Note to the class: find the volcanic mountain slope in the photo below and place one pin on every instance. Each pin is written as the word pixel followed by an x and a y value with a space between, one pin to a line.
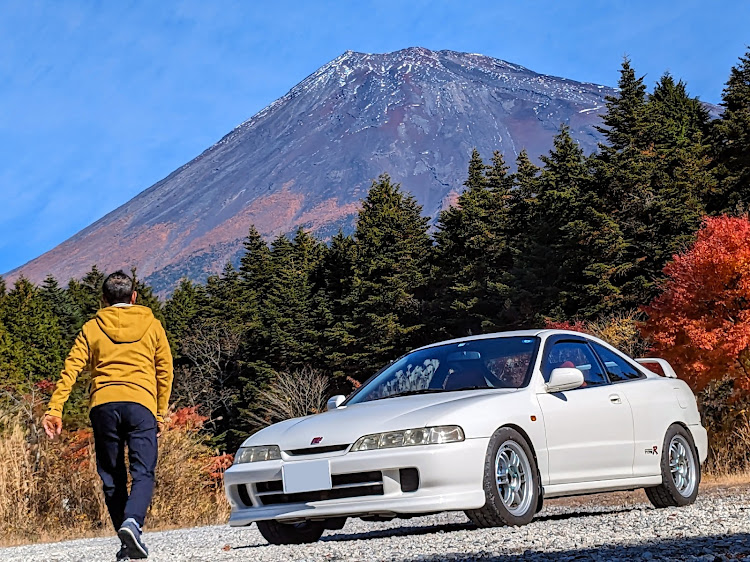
pixel 309 158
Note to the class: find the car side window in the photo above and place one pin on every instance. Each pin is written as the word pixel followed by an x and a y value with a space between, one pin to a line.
pixel 578 355
pixel 617 368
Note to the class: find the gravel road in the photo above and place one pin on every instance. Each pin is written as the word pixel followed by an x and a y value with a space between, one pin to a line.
pixel 605 527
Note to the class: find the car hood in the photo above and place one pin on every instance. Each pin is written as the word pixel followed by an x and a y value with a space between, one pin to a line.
pixel 345 425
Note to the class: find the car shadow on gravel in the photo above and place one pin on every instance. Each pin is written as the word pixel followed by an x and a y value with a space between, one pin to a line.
pixel 451 527
pixel 399 532
pixel 579 514
pixel 716 548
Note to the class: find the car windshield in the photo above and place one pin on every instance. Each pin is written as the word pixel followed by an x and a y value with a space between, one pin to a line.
pixel 503 362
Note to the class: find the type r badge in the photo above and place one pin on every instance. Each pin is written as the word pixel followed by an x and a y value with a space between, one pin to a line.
pixel 316 440
pixel 652 451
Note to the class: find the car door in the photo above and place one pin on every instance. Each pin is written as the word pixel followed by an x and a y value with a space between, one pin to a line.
pixel 589 430
pixel 652 401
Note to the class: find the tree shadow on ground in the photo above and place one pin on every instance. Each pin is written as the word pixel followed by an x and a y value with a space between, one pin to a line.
pixel 716 548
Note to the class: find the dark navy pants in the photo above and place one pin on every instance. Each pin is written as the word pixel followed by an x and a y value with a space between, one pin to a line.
pixel 117 424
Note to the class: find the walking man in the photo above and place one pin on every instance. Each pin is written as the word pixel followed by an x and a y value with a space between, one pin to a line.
pixel 126 350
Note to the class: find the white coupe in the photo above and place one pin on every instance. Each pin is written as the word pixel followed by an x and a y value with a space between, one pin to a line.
pixel 489 425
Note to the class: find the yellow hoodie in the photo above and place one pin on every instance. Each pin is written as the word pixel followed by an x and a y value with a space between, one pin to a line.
pixel 127 352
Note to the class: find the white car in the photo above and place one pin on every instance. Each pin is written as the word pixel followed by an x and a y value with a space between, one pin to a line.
pixel 489 425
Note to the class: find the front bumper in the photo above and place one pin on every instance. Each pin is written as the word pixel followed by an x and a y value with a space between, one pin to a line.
pixel 450 478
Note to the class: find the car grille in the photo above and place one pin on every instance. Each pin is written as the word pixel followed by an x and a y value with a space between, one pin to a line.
pixel 317 450
pixel 351 485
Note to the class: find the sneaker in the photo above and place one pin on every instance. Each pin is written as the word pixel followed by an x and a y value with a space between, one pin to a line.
pixel 122 554
pixel 130 536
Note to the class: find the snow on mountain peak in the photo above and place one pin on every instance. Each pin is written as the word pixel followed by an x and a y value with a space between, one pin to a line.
pixel 308 158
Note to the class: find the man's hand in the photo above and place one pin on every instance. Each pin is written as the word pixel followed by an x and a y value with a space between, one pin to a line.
pixel 52 425
pixel 160 427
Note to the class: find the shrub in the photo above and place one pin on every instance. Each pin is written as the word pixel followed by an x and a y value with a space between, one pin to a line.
pixel 724 413
pixel 620 330
pixel 292 395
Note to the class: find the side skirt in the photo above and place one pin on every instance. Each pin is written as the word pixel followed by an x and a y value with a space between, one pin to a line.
pixel 599 486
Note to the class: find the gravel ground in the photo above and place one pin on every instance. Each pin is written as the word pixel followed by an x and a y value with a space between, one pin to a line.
pixel 604 527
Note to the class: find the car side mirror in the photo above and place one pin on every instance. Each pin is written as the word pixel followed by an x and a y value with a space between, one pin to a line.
pixel 335 401
pixel 564 378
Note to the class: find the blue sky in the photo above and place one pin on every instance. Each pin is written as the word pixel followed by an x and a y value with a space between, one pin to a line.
pixel 99 100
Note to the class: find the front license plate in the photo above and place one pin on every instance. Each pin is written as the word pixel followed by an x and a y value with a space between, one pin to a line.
pixel 306 476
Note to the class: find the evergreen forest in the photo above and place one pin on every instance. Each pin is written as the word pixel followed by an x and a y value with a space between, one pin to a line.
pixel 578 238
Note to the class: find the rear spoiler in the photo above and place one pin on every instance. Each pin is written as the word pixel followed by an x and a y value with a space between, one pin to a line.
pixel 658 366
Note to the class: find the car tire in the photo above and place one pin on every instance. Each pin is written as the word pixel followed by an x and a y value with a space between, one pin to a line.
pixel 291 533
pixel 680 470
pixel 539 501
pixel 511 482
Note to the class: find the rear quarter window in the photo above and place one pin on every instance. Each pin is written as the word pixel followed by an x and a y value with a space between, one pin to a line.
pixel 617 368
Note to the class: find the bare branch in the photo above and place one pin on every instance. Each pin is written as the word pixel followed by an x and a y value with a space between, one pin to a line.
pixel 292 395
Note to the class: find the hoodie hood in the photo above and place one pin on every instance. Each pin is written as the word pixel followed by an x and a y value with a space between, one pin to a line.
pixel 125 324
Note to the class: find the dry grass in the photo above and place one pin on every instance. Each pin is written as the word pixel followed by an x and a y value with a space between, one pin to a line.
pixel 50 490
pixel 729 452
pixel 46 487
pixel 189 489
pixel 732 479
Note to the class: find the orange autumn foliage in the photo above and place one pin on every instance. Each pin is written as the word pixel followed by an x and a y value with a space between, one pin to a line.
pixel 186 418
pixel 218 465
pixel 701 322
pixel 576 326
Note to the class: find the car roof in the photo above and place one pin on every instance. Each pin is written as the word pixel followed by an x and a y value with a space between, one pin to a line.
pixel 515 333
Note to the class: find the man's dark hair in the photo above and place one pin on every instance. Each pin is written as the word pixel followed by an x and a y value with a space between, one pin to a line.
pixel 118 288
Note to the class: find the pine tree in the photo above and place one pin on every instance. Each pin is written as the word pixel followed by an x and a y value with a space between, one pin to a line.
pixel 653 187
pixel 255 278
pixel 473 253
pixel 521 212
pixel 522 197
pixel 290 305
pixel 624 120
pixel 37 344
pixel 218 331
pixel 673 118
pixel 569 254
pixel 497 178
pixel 391 271
pixel 9 370
pixel 276 310
pixel 678 130
pixel 476 178
pixel 224 297
pixel 731 139
pixel 87 294
pixel 145 297
pixel 180 312
pixel 58 300
pixel 335 279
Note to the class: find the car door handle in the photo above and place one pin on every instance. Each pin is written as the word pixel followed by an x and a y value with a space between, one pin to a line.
pixel 615 399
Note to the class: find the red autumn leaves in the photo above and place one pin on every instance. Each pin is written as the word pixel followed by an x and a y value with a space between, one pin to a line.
pixel 701 322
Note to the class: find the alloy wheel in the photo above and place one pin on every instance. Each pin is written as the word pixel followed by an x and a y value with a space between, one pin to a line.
pixel 682 465
pixel 514 478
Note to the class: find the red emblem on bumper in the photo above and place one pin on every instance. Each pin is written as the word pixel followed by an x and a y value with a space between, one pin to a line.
pixel 316 440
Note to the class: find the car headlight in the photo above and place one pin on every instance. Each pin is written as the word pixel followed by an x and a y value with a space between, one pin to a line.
pixel 257 454
pixel 410 437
